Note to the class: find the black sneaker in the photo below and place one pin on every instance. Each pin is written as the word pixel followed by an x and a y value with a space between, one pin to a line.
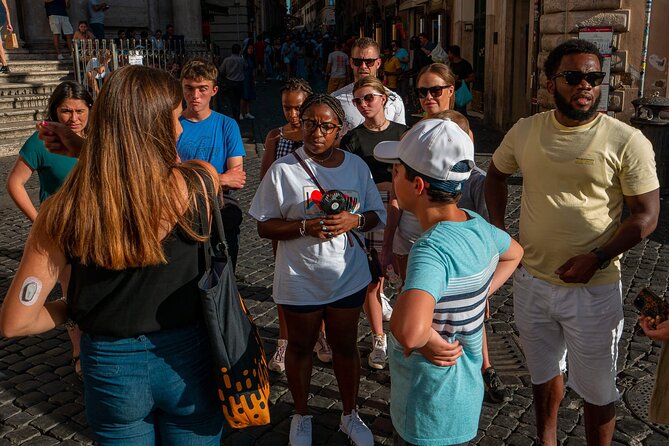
pixel 495 388
pixel 5 69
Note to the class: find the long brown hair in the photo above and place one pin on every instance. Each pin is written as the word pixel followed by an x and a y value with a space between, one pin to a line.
pixel 123 194
pixel 444 72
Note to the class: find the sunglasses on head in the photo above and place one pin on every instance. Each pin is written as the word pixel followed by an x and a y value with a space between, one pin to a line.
pixel 594 78
pixel 367 98
pixel 435 91
pixel 358 62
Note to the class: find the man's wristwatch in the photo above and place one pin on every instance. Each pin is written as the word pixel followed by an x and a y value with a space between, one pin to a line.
pixel 602 258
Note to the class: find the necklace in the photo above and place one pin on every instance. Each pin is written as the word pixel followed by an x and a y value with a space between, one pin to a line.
pixel 376 128
pixel 322 160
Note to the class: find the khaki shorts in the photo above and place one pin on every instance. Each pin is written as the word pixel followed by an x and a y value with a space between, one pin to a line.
pixel 60 23
pixel 570 328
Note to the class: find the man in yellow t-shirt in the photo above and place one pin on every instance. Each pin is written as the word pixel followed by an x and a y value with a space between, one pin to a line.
pixel 579 167
pixel 391 69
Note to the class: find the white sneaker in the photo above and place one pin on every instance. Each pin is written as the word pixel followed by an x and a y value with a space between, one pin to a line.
pixel 278 361
pixel 60 57
pixel 322 348
pixel 377 357
pixel 356 429
pixel 385 306
pixel 300 430
pixel 241 117
pixel 249 116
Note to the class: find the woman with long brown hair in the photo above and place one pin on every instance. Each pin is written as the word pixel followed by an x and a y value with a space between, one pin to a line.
pixel 126 221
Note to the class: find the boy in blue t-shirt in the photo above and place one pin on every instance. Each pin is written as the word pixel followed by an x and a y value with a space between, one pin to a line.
pixel 212 137
pixel 437 323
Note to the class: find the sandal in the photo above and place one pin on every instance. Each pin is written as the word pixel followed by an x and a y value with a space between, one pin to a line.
pixel 76 365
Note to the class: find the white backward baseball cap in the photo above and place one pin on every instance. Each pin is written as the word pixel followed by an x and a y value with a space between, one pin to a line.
pixel 433 147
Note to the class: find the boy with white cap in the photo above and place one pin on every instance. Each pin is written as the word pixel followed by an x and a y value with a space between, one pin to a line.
pixel 435 347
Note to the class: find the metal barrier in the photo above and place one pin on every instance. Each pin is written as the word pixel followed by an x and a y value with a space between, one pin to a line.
pixel 94 60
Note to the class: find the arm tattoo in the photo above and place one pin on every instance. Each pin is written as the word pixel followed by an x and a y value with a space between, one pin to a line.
pixel 30 291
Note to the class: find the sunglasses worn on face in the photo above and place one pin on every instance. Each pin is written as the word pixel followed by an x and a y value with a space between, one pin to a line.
pixel 368 98
pixel 358 62
pixel 326 127
pixel 594 78
pixel 435 91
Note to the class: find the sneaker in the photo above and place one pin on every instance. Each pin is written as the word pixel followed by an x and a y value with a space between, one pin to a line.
pixel 300 430
pixel 278 361
pixel 322 348
pixel 241 117
pixel 385 306
pixel 377 358
pixel 5 69
pixel 60 57
pixel 495 388
pixel 249 116
pixel 356 429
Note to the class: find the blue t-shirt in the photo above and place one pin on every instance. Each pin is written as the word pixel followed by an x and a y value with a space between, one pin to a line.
pixel 214 140
pixel 93 15
pixel 401 53
pixel 454 262
pixel 51 168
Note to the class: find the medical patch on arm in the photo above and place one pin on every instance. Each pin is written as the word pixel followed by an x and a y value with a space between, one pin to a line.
pixel 29 293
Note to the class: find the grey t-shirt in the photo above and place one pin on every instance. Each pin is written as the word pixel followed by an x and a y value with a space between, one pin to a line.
pixel 93 15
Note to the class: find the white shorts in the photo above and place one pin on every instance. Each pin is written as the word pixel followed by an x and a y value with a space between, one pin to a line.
pixel 581 324
pixel 60 23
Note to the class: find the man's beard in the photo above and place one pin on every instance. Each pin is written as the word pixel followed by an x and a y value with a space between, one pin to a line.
pixel 570 112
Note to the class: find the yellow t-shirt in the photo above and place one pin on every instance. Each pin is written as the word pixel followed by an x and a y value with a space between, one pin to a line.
pixel 574 179
pixel 390 66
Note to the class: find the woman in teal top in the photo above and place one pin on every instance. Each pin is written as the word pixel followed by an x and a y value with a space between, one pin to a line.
pixel 70 105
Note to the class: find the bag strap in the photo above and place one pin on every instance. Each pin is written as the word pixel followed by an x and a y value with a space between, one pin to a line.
pixel 305 166
pixel 207 196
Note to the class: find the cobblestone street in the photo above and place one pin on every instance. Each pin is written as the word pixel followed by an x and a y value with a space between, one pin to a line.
pixel 41 401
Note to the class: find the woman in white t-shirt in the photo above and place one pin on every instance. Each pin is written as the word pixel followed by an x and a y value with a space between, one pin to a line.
pixel 321 271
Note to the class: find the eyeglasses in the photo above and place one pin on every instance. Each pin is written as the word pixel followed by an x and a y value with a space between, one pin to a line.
pixel 594 78
pixel 326 127
pixel 368 98
pixel 435 91
pixel 369 62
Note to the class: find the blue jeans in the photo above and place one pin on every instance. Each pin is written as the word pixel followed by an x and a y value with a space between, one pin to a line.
pixel 151 389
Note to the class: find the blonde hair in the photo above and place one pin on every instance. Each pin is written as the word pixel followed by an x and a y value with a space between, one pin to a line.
pixel 444 72
pixel 366 42
pixel 454 116
pixel 123 194
pixel 199 69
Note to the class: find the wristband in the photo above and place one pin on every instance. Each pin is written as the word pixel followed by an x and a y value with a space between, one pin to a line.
pixel 361 221
pixel 303 228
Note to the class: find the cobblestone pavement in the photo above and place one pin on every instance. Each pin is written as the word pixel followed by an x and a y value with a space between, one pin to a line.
pixel 41 401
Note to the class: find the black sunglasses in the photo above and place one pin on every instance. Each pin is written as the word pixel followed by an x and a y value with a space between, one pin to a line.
pixel 435 91
pixel 358 62
pixel 326 127
pixel 594 78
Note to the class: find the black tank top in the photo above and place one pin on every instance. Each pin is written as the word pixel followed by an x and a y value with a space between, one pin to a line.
pixel 136 301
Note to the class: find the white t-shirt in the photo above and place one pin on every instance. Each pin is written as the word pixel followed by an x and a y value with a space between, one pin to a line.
pixel 394 108
pixel 308 270
pixel 338 61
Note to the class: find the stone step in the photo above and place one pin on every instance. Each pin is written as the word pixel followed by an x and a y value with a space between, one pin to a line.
pixel 16 131
pixel 26 77
pixel 30 89
pixel 40 65
pixel 11 146
pixel 20 115
pixel 38 101
pixel 46 54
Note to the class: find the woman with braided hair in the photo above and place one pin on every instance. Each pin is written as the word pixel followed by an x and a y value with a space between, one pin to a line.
pixel 321 272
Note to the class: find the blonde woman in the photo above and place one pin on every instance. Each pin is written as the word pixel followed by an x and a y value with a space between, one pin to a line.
pixel 126 220
pixel 370 98
pixel 5 27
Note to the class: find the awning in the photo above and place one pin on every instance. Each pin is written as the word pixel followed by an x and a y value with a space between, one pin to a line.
pixel 408 4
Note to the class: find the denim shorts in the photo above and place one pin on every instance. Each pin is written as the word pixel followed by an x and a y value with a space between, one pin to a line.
pixel 354 300
pixel 151 389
